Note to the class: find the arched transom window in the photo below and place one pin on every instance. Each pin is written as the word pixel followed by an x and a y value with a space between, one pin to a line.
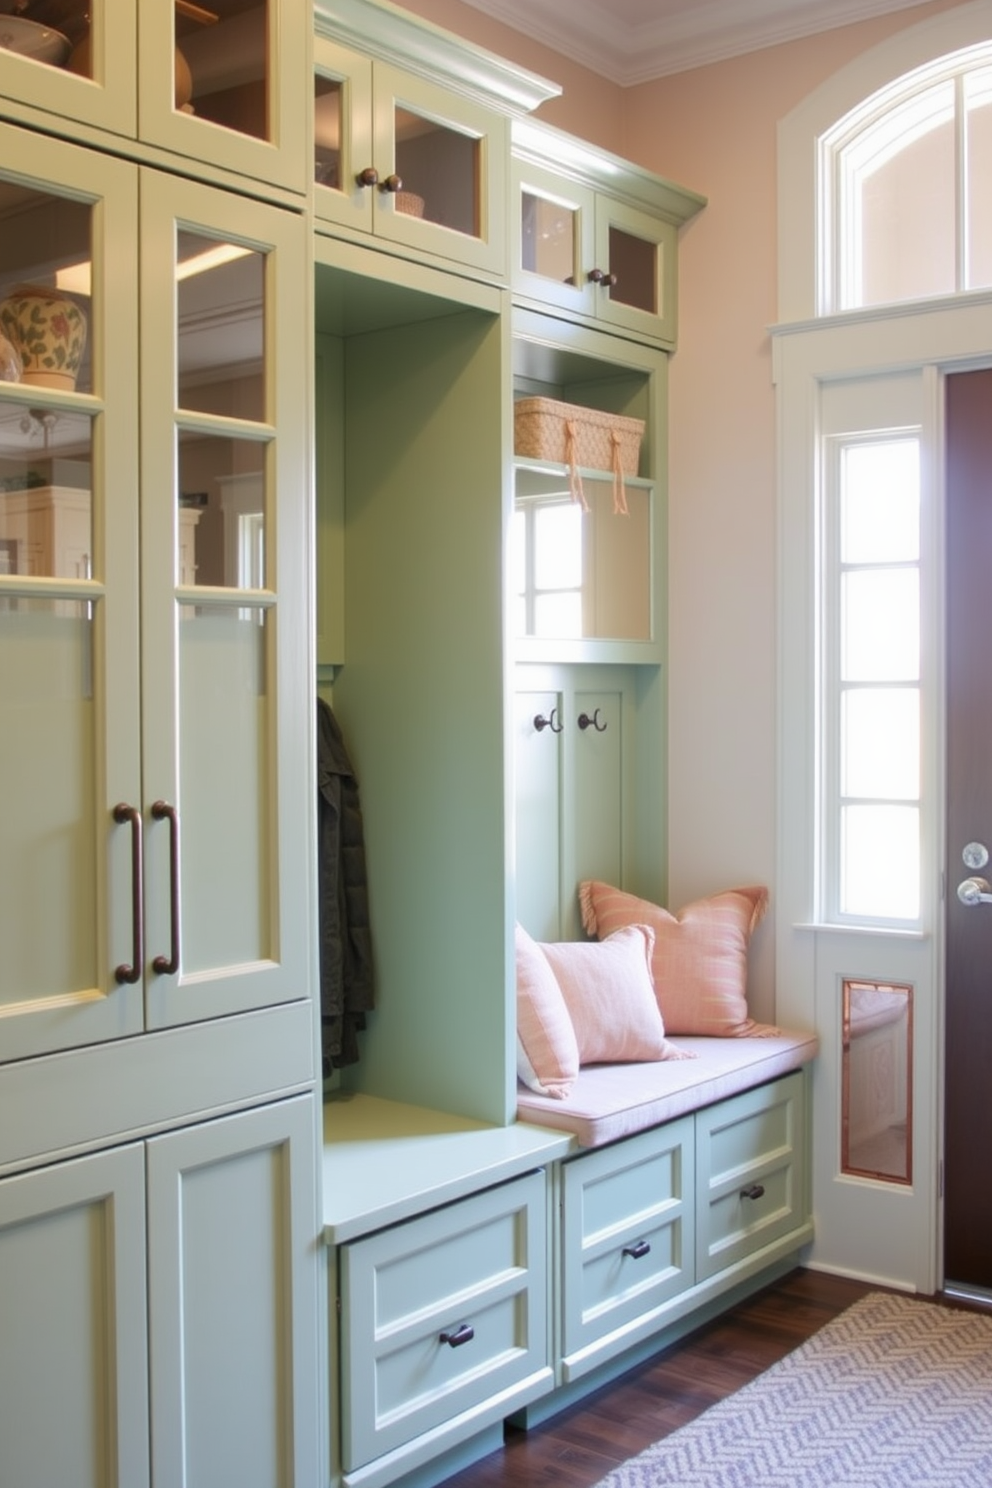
pixel 906 189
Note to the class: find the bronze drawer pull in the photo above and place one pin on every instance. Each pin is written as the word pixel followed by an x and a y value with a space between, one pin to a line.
pixel 464 1333
pixel 637 1252
pixel 124 973
pixel 753 1191
pixel 162 811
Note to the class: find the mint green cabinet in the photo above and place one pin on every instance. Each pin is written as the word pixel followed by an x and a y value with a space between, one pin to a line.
pixel 411 136
pixel 595 236
pixel 628 1240
pixel 158 1310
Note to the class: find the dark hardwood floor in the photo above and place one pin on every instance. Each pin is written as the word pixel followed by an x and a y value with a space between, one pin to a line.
pixel 581 1445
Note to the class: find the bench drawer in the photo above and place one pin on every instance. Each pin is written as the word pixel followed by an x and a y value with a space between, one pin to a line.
pixel 441 1313
pixel 627 1231
pixel 749 1166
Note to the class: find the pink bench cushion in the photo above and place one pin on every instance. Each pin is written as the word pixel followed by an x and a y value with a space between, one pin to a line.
pixel 609 1101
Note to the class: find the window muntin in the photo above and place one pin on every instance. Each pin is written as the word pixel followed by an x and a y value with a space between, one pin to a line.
pixel 870 695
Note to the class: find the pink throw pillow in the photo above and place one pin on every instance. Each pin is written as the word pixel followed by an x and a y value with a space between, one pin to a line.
pixel 610 997
pixel 699 962
pixel 547 1053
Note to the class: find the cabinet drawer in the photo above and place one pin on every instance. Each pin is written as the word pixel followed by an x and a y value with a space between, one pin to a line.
pixel 627 1231
pixel 749 1163
pixel 472 1271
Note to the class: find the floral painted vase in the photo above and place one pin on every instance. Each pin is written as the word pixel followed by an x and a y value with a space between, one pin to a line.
pixel 48 331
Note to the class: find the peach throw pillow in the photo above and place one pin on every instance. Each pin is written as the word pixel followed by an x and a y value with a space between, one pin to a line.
pixel 547 1053
pixel 610 997
pixel 700 954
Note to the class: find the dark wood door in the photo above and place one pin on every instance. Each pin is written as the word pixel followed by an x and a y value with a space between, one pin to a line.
pixel 968 1073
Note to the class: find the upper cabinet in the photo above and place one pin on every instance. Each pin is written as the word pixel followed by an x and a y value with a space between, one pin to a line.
pixel 594 235
pixel 153 445
pixel 411 135
pixel 220 83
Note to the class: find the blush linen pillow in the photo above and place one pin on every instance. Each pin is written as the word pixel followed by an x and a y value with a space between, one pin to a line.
pixel 547 1053
pixel 609 994
pixel 699 963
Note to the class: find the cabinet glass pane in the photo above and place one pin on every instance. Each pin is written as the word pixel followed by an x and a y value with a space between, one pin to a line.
pixel 634 264
pixel 581 573
pixel 439 168
pixel 225 763
pixel 220 332
pixel 548 239
pixel 55 32
pixel 46 526
pixel 47 881
pixel 328 97
pixel 221 512
pixel 222 63
pixel 45 251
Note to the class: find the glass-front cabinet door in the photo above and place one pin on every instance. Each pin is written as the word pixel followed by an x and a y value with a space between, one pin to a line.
pixel 221 82
pixel 410 161
pixel 226 706
pixel 235 94
pixel 70 869
pixel 153 501
pixel 72 58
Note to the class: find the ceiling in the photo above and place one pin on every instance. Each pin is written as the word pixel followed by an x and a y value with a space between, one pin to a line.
pixel 633 41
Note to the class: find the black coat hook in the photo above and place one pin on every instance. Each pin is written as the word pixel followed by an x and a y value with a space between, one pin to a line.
pixel 586 722
pixel 540 722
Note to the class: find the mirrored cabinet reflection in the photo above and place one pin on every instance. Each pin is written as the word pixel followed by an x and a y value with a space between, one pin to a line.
pixel 877 1085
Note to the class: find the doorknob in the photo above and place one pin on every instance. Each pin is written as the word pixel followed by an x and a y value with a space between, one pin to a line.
pixel 975 891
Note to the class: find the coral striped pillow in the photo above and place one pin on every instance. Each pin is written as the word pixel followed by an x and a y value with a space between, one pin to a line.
pixel 699 962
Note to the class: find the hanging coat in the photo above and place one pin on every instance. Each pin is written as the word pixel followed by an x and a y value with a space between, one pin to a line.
pixel 346 980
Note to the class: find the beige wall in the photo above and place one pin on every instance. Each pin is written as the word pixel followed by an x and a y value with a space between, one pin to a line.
pixel 714 129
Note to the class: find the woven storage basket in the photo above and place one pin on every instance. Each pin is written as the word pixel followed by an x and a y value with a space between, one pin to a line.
pixel 544 429
pixel 541 431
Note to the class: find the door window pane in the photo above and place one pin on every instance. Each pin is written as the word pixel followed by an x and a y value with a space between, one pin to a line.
pixel 880 743
pixel 45 281
pixel 634 263
pixel 225 761
pixel 221 327
pixel 222 64
pixel 46 523
pixel 47 800
pixel 880 862
pixel 221 516
pixel 880 625
pixel 548 239
pixel 880 502
pixel 439 168
pixel 328 99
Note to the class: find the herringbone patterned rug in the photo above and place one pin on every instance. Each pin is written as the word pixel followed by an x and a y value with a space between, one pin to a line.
pixel 894 1393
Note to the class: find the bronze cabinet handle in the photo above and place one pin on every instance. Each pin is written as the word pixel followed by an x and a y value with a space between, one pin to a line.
pixel 541 723
pixel 392 184
pixel 162 811
pixel 368 177
pixel 124 973
pixel 464 1333
pixel 638 1251
pixel 753 1191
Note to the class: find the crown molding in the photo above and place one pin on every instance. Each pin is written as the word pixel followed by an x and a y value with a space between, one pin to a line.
pixel 690 33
